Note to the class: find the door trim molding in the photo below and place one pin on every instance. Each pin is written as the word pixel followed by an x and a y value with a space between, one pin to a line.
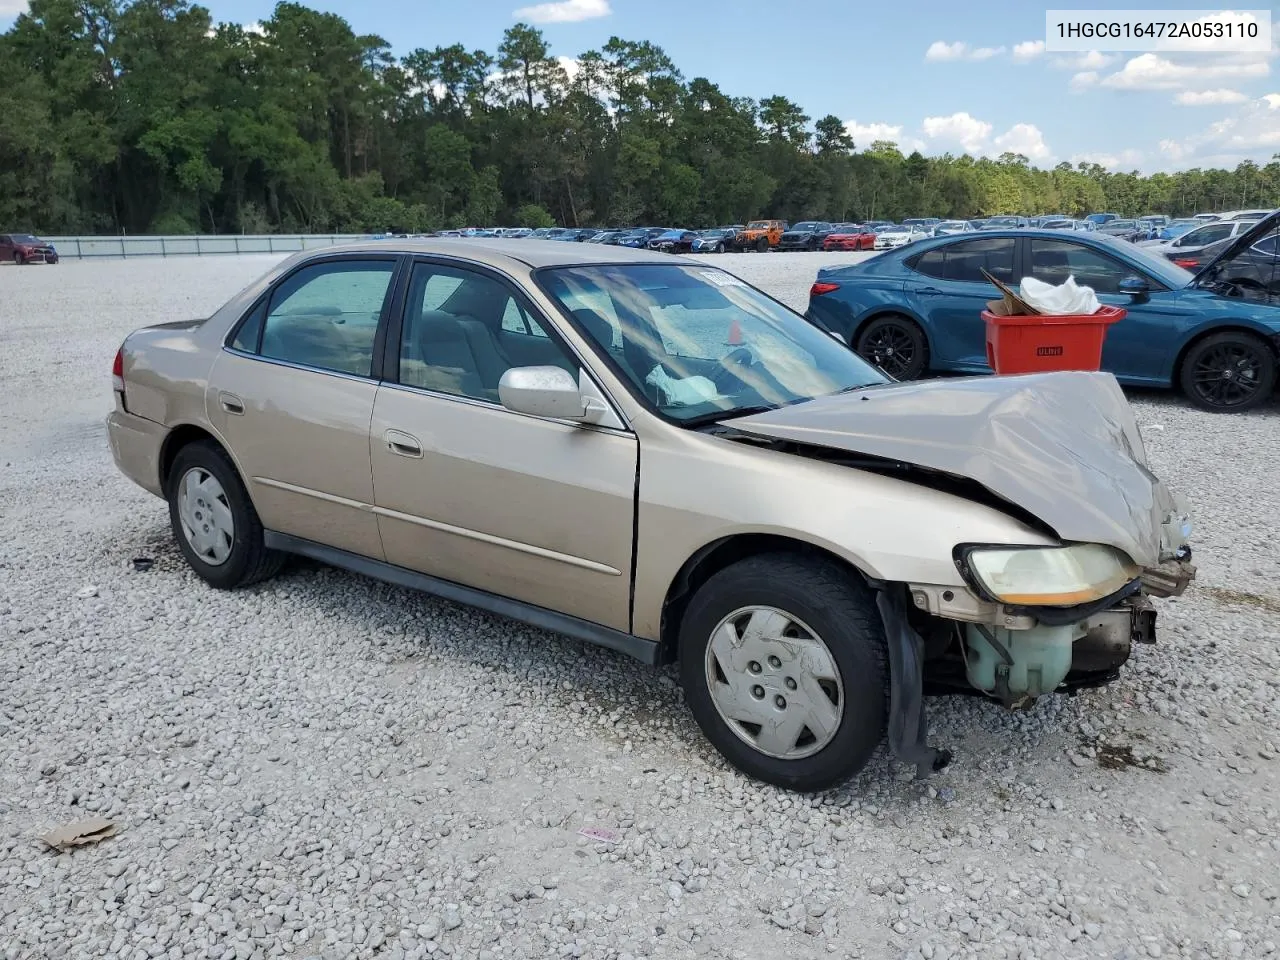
pixel 316 494
pixel 489 538
pixel 646 651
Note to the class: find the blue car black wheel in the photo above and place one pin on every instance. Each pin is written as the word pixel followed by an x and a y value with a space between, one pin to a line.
pixel 896 345
pixel 1229 372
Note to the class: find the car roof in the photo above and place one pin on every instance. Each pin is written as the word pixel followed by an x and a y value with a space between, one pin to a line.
pixel 500 252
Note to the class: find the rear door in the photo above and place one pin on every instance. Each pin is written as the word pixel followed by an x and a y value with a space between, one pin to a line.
pixel 950 292
pixel 292 395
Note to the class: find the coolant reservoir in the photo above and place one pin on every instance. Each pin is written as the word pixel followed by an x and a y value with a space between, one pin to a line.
pixel 1015 664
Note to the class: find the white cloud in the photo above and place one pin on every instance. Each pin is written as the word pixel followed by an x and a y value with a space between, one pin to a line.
pixel 1124 160
pixel 865 134
pixel 1091 60
pixel 1149 71
pixel 1272 100
pixel 1027 50
pixel 1023 138
pixel 256 28
pixel 11 8
pixel 1083 81
pixel 938 50
pixel 562 11
pixel 960 128
pixel 1209 98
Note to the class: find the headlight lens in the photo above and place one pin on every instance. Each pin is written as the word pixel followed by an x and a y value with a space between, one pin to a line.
pixel 1051 576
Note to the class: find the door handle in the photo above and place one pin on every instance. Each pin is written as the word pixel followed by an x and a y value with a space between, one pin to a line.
pixel 929 291
pixel 232 404
pixel 402 444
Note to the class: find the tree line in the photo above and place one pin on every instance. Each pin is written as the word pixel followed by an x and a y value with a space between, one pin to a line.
pixel 146 117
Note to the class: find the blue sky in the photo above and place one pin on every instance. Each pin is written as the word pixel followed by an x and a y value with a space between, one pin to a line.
pixel 938 76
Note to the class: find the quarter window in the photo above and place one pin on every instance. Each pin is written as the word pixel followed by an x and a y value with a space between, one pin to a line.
pixel 326 315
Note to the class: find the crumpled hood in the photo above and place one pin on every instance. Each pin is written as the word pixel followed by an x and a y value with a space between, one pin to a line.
pixel 1063 446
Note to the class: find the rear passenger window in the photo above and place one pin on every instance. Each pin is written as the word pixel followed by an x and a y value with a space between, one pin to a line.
pixel 966 260
pixel 326 315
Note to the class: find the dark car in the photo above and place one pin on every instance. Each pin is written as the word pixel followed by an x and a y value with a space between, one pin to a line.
pixel 806 235
pixel 1130 230
pixel 1003 223
pixel 674 241
pixel 25 248
pixel 577 234
pixel 718 240
pixel 608 237
pixel 919 308
pixel 1243 266
pixel 639 238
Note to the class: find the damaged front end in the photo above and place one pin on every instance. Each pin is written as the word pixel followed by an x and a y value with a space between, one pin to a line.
pixel 1062 454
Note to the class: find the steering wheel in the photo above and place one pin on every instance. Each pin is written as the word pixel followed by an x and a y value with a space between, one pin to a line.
pixel 740 357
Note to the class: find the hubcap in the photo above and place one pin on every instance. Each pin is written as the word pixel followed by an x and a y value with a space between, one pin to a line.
pixel 892 349
pixel 205 515
pixel 1228 375
pixel 774 682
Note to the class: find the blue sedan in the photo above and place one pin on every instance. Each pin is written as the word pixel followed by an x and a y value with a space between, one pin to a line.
pixel 918 309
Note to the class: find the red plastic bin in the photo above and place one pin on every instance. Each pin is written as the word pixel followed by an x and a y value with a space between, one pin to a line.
pixel 1039 343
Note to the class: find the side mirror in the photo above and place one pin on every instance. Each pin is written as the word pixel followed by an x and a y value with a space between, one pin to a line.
pixel 547 392
pixel 1134 287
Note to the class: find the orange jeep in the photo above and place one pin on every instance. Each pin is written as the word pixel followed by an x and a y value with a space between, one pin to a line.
pixel 761 235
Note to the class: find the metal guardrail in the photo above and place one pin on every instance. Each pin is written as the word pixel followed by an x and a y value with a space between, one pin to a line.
pixel 187 246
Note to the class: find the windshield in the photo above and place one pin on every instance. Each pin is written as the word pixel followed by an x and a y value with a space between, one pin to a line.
pixel 1058 224
pixel 699 344
pixel 805 225
pixel 24 238
pixel 758 225
pixel 1002 222
pixel 952 225
pixel 1119 225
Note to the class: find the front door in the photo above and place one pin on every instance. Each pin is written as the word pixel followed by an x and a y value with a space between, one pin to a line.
pixel 534 509
pixel 950 291
pixel 1136 348
pixel 293 395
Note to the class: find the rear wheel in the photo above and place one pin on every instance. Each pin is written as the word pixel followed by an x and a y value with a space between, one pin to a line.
pixel 896 345
pixel 1228 372
pixel 783 662
pixel 213 519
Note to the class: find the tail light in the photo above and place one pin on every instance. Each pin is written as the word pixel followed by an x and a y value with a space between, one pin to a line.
pixel 117 374
pixel 1186 264
pixel 821 287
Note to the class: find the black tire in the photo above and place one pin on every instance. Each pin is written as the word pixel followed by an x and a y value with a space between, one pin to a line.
pixel 719 248
pixel 1228 372
pixel 762 245
pixel 249 560
pixel 841 610
pixel 896 345
pixel 18 258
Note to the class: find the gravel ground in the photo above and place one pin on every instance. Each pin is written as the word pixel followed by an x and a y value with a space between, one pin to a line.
pixel 326 766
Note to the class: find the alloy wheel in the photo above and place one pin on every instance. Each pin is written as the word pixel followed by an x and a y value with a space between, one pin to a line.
pixel 892 349
pixel 1228 375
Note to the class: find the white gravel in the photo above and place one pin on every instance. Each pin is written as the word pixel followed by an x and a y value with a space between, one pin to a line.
pixel 325 766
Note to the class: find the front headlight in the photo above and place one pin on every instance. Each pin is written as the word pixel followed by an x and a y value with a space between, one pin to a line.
pixel 1049 576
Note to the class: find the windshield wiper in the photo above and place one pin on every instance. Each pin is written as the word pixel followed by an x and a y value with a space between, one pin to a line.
pixel 717 415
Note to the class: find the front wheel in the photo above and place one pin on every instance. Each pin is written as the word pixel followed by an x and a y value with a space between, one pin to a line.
pixel 1228 372
pixel 213 519
pixel 719 248
pixel 896 345
pixel 18 258
pixel 762 245
pixel 783 663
